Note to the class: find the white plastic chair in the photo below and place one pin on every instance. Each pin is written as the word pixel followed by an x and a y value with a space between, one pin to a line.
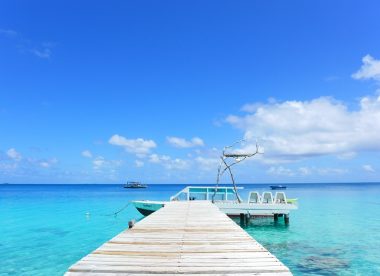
pixel 280 197
pixel 267 198
pixel 254 197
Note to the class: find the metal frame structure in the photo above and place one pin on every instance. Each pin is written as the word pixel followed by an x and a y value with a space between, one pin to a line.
pixel 225 165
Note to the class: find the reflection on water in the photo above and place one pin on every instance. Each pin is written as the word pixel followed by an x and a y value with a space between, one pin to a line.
pixel 51 230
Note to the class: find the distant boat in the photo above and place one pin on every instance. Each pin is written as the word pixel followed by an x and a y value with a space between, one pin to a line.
pixel 278 187
pixel 135 185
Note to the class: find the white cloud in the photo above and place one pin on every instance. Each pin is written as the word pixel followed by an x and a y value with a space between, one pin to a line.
pixel 369 70
pixel 48 163
pixel 138 146
pixel 155 158
pixel 170 163
pixel 183 143
pixel 8 168
pixel 8 32
pixel 44 163
pixel 250 107
pixel 207 163
pixel 323 126
pixel 139 163
pixel 87 154
pixel 304 171
pixel 368 168
pixel 177 164
pixel 331 171
pixel 280 170
pixel 41 53
pixel 101 163
pixel 41 50
pixel 98 162
pixel 347 155
pixel 13 154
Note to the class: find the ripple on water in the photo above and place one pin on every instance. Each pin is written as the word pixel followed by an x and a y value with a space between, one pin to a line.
pixel 51 230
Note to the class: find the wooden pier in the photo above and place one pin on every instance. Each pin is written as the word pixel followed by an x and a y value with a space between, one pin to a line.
pixel 191 238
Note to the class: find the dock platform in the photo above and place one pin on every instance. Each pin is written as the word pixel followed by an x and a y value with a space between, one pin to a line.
pixel 190 238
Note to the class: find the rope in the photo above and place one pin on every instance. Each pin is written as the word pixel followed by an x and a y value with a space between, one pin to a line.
pixel 120 210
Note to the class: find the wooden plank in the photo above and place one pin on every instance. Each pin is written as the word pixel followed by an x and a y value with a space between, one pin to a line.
pixel 169 274
pixel 189 238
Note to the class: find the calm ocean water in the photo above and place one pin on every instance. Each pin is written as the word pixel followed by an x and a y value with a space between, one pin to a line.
pixel 46 228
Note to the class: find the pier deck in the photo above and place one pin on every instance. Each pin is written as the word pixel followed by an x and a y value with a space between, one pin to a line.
pixel 191 237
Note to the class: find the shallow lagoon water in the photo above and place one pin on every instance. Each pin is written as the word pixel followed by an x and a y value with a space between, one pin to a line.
pixel 46 228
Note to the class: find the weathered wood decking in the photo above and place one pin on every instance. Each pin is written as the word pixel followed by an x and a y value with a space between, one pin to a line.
pixel 190 238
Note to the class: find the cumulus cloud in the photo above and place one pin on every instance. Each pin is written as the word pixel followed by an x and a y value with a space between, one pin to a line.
pixel 368 168
pixel 101 163
pixel 155 158
pixel 183 143
pixel 329 171
pixel 139 163
pixel 98 162
pixel 304 171
pixel 369 70
pixel 47 163
pixel 280 170
pixel 41 50
pixel 170 163
pixel 323 126
pixel 44 164
pixel 87 154
pixel 138 146
pixel 41 53
pixel 207 163
pixel 13 154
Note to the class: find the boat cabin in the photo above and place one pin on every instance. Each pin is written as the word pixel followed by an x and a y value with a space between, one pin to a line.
pixel 206 193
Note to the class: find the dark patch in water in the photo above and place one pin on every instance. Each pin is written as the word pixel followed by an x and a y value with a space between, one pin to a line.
pixel 293 246
pixel 306 248
pixel 322 265
pixel 52 230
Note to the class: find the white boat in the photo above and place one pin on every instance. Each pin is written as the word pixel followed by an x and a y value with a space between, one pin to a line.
pixel 227 198
pixel 147 207
pixel 265 204
pixel 135 185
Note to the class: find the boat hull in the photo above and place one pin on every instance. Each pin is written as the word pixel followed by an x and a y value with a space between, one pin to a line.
pixel 146 207
pixel 232 209
pixel 278 187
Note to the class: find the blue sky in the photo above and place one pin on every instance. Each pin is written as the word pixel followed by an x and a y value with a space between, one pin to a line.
pixel 100 92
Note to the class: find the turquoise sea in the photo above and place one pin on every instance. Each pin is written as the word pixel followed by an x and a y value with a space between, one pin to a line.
pixel 46 228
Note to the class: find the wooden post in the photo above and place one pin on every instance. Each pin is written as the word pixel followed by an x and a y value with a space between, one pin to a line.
pixel 275 217
pixel 247 218
pixel 242 219
pixel 286 219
